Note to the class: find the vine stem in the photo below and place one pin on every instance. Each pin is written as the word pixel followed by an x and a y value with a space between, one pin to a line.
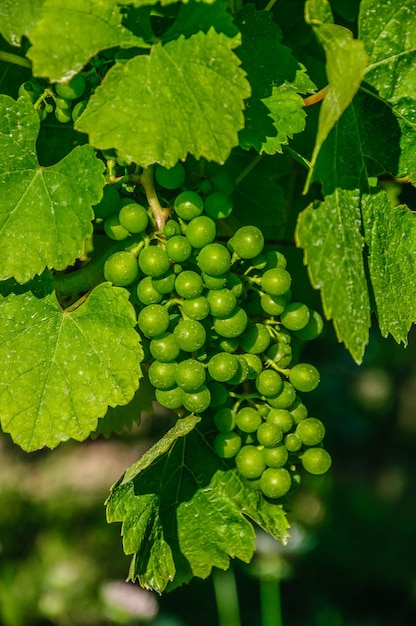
pixel 271 610
pixel 226 597
pixel 270 5
pixel 248 169
pixel 316 97
pixel 9 57
pixel 159 213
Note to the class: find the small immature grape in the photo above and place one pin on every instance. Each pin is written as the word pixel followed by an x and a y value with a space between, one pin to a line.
pixel 218 206
pixel 274 258
pixel 153 320
pixel 227 444
pixel 256 339
pixel 109 203
pixel 223 366
pixel 304 377
pixel 188 205
pixel 188 284
pixel 198 401
pixel 196 308
pixel 214 259
pixel 30 90
pixel 280 417
pixel 232 326
pixel 242 372
pixel 162 375
pixel 190 375
pixel 280 353
pixel 285 398
pixel 171 228
pixel 171 178
pixel 228 344
pixel 298 411
pixel 222 302
pixel 275 482
pixel 316 460
pixel 313 328
pixel 311 431
pixel 71 89
pixel 219 394
pixel 165 284
pixel 269 383
pixel 190 335
pixel 170 398
pixel 295 316
pixel 121 269
pixel 154 261
pixel 276 457
pixel 134 218
pixel 201 231
pixel 146 292
pixel 276 281
pixel 114 230
pixel 78 109
pixel 269 435
pixel 62 115
pixel 215 282
pixel 273 305
pixel 248 419
pixel 248 242
pixel 178 248
pixel 250 462
pixel 254 363
pixel 164 347
pixel 224 419
pixel 293 442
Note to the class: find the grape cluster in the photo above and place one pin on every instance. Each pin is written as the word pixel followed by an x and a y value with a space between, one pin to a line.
pixel 217 320
pixel 66 100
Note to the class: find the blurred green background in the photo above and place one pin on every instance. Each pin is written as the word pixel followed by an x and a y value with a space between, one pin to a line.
pixel 351 558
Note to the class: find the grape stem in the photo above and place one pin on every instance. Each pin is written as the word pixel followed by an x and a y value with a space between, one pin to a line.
pixel 9 57
pixel 316 97
pixel 159 213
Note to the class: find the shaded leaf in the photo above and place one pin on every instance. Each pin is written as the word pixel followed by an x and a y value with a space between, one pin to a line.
pixel 81 361
pixel 186 97
pixel 45 213
pixel 18 18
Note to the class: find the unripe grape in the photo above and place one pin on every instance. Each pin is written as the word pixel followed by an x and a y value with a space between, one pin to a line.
pixel 170 398
pixel 218 206
pixel 313 328
pixel 153 320
pixel 223 366
pixel 196 308
pixel 248 419
pixel 316 460
pixel 188 284
pixel 190 375
pixel 269 435
pixel 293 442
pixel 232 326
pixel 178 248
pixel 121 269
pixel 165 284
pixel 162 375
pixel 269 383
pixel 134 217
pixel 250 462
pixel 276 457
pixel 295 316
pixel 146 292
pixel 114 230
pixel 224 419
pixel 164 347
pixel 304 377
pixel 71 89
pixel 109 203
pixel 280 417
pixel 154 261
pixel 214 259
pixel 222 302
pixel 198 401
pixel 276 281
pixel 201 231
pixel 256 339
pixel 311 431
pixel 285 398
pixel 188 205
pixel 275 483
pixel 248 242
pixel 171 178
pixel 227 445
pixel 190 335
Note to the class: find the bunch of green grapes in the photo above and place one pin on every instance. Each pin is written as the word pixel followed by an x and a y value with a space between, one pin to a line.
pixel 66 99
pixel 217 320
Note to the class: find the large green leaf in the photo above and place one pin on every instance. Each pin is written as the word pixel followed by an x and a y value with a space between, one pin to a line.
pixel 390 234
pixel 388 30
pixel 18 18
pixel 81 361
pixel 45 212
pixel 70 32
pixel 184 510
pixel 185 97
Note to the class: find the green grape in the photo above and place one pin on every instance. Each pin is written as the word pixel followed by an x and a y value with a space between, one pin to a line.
pixel 164 347
pixel 214 259
pixel 30 90
pixel 313 328
pixel 275 482
pixel 121 269
pixel 62 103
pixel 218 206
pixel 235 285
pixel 304 377
pixel 146 293
pixel 242 372
pixel 273 305
pixel 276 457
pixel 316 460
pixel 109 203
pixel 153 320
pixel 215 282
pixel 171 178
pixel 248 242
pixel 170 398
pixel 198 401
pixel 280 353
pixel 190 375
pixel 165 284
pixel 276 281
pixel 284 399
pixel 228 344
pixel 42 114
pixel 206 186
pixel 188 284
pixel 269 383
pixel 201 231
pixel 256 339
pixel 171 229
pixel 190 335
pixel 263 409
pixel 269 435
pixel 293 442
pixel 62 115
pixel 222 302
pixel 255 365
pixel 249 438
pixel 248 419
pixel 232 326
pixel 114 230
pixel 250 462
pixel 134 217
pixel 224 419
pixel 162 375
pixel 298 411
pixel 188 205
pixel 280 417
pixel 153 261
pixel 48 108
pixel 295 316
pixel 227 445
pixel 223 366
pixel 178 248
pixel 274 258
pixel 196 308
pixel 219 394
pixel 79 109
pixel 311 431
pixel 71 89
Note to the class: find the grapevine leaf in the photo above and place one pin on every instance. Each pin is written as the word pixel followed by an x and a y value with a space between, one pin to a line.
pixel 45 213
pixel 141 3
pixel 195 16
pixel 346 60
pixel 80 362
pixel 18 18
pixel 185 511
pixel 388 31
pixel 119 418
pixel 318 12
pixel 275 110
pixel 329 233
pixel 71 32
pixel 187 96
pixel 390 234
